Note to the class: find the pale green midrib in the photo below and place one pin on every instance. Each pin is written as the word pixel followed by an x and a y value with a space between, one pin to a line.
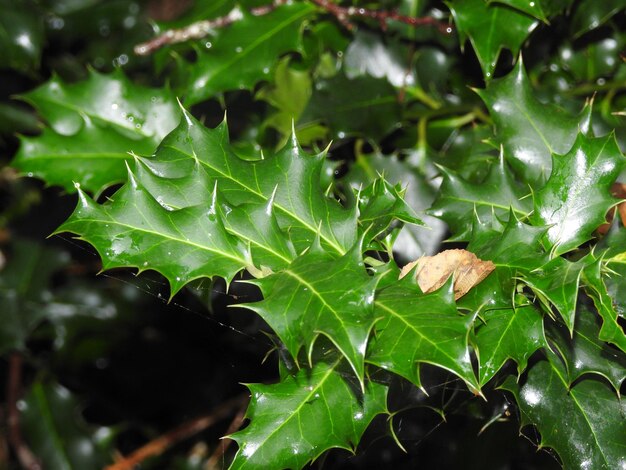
pixel 244 262
pixel 333 243
pixel 508 327
pixel 49 420
pixel 307 399
pixel 257 42
pixel 486 203
pixel 316 293
pixel 79 111
pixel 532 123
pixel 260 245
pixel 582 411
pixel 411 327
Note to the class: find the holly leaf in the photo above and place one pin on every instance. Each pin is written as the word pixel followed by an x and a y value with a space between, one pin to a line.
pixel 584 424
pixel 530 131
pixel 590 14
pixel 55 432
pixel 105 109
pixel 490 27
pixel 133 230
pixel 556 284
pixel 611 330
pixel 25 290
pixel 419 328
pixel 295 421
pixel 318 294
pixel 584 353
pixel 497 195
pixel 576 197
pixel 21 36
pixel 244 53
pixel 504 334
pixel 290 178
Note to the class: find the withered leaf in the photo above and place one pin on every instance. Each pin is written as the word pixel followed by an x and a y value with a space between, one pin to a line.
pixel 432 272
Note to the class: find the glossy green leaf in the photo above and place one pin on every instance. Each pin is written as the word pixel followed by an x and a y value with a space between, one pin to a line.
pixel 362 106
pixel 244 54
pixel 530 131
pixel 296 420
pixel 25 290
pixel 591 14
pixel 584 353
pixel 93 125
pixel 290 178
pixel 611 330
pixel 133 230
pixel 459 199
pixel 56 434
pixel 584 424
pixel 21 36
pixel 318 294
pixel 419 328
pixel 540 9
pixel 490 27
pixel 556 285
pixel 507 334
pixel 576 197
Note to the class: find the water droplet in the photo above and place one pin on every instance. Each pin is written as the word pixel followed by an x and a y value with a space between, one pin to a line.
pixel 145 263
pixel 238 49
pixel 178 278
pixel 29 174
pixel 129 22
pixel 208 45
pixel 138 126
pixel 341 134
pixel 532 4
pixel 153 99
pixel 266 70
pixel 114 106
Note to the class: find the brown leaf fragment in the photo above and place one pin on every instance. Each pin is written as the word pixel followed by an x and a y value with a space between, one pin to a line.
pixel 432 272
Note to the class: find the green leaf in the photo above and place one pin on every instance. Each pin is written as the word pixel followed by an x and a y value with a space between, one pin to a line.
pixel 21 36
pixel 611 330
pixel 318 294
pixel 57 435
pixel 243 54
pixel 420 328
pixel 496 196
pixel 584 424
pixel 591 14
pixel 576 197
pixel 290 178
pixel 532 8
pixel 362 106
pixel 530 131
pixel 556 284
pixel 289 94
pixel 94 125
pixel 490 27
pixel 584 353
pixel 296 420
pixel 25 290
pixel 133 230
pixel 507 334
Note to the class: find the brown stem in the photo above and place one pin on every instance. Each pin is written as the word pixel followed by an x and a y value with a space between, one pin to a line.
pixel 162 443
pixel 201 29
pixel 24 455
pixel 221 449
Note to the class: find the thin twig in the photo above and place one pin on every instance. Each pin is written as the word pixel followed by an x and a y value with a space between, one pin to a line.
pixel 220 450
pixel 343 14
pixel 201 29
pixel 184 431
pixel 14 385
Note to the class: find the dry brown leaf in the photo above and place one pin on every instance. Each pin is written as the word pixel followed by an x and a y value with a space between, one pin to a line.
pixel 432 272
